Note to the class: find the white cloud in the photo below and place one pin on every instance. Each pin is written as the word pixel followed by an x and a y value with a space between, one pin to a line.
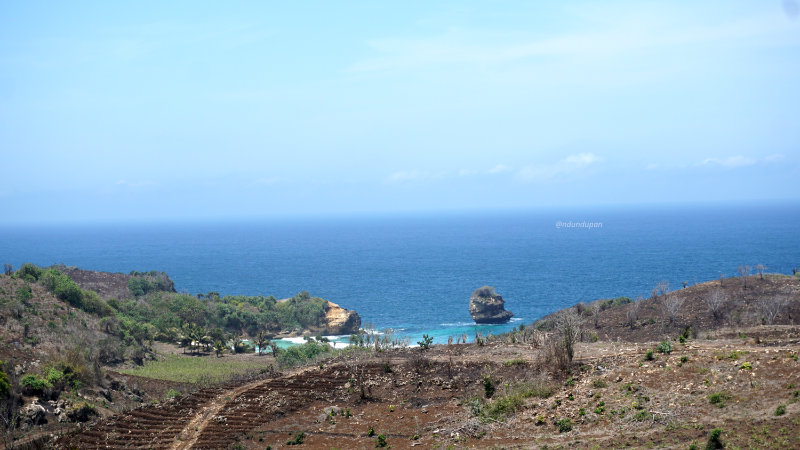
pixel 774 158
pixel 732 162
pixel 570 165
pixel 646 31
pixel 500 168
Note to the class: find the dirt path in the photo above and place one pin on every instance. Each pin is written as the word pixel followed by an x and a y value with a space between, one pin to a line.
pixel 187 438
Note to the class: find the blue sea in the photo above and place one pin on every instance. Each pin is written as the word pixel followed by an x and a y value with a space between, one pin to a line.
pixel 415 273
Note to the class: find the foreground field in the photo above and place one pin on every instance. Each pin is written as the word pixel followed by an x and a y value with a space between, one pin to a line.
pixel 199 370
pixel 742 381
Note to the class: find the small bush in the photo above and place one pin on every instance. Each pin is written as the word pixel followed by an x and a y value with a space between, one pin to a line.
pixel 488 386
pixel 715 440
pixel 297 439
pixel 564 425
pixel 514 362
pixel 426 342
pixel 746 366
pixel 780 410
pixel 380 441
pixel 371 431
pixel 719 399
pixel 599 383
pixel 35 384
pixel 665 347
pixel 648 356
pixel 5 383
pixel 641 416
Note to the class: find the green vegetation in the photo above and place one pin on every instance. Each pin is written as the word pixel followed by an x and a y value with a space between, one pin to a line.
pixel 564 425
pixel 187 369
pixel 63 287
pixel 512 401
pixel 648 356
pixel 665 347
pixel 488 386
pixel 380 441
pixel 300 354
pixel 426 342
pixel 719 399
pixel 715 440
pixel 5 383
pixel 297 439
pixel 514 362
pixel 780 410
pixel 599 383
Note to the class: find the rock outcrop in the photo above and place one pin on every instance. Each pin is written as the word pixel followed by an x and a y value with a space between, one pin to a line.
pixel 485 306
pixel 341 321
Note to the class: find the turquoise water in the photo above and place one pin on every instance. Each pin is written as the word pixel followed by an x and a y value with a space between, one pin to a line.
pixel 415 274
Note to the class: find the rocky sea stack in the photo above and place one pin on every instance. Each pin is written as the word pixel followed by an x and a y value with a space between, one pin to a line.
pixel 485 306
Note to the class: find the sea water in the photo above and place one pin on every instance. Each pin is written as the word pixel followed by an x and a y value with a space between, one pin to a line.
pixel 415 273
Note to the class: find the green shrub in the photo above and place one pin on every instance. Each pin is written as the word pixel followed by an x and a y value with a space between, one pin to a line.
pixel 641 416
pixel 780 410
pixel 172 393
pixel 564 425
pixel 488 386
pixel 746 366
pixel 648 356
pixel 35 383
pixel 715 440
pixel 426 342
pixel 599 383
pixel 514 362
pixel 665 347
pixel 29 272
pixel 380 441
pixel 5 382
pixel 371 431
pixel 719 399
pixel 299 354
pixel 297 439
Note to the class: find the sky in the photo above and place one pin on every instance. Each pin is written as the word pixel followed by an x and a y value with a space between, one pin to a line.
pixel 139 111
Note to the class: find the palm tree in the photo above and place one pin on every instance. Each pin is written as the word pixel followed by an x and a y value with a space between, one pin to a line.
pixel 219 348
pixel 261 341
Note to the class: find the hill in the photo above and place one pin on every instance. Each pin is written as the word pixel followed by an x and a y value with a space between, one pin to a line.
pixel 732 381
pixel 67 334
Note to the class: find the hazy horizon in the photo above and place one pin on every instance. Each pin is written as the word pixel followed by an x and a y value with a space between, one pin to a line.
pixel 152 112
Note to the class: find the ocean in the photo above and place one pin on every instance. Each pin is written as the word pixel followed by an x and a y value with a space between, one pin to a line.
pixel 415 273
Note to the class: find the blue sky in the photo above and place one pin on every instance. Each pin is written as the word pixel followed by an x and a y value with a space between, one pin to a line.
pixel 207 110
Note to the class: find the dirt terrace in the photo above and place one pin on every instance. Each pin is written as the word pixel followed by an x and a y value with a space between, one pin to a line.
pixel 614 398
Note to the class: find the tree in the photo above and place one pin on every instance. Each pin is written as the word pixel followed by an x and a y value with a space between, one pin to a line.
pixel 219 348
pixel 672 304
pixel 261 341
pixel 760 269
pixel 595 309
pixel 744 271
pixel 662 287
pixel 568 324
pixel 8 269
pixel 771 306
pixel 633 313
pixel 715 300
